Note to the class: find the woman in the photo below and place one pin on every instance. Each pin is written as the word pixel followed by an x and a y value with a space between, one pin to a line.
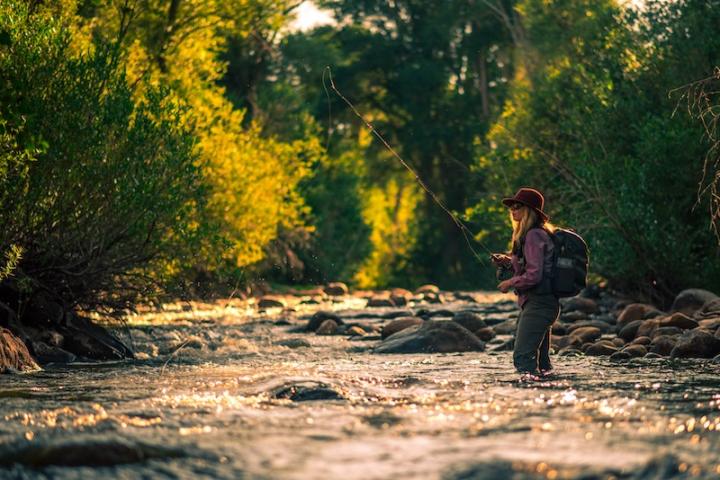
pixel 531 262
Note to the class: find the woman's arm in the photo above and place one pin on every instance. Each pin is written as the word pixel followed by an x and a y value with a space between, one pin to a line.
pixel 536 242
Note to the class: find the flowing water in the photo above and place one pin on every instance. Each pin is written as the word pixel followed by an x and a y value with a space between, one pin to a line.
pixel 215 395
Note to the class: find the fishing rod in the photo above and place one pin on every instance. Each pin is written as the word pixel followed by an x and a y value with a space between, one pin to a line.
pixel 467 234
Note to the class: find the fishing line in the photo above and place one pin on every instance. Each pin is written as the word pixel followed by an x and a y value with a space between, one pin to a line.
pixel 467 234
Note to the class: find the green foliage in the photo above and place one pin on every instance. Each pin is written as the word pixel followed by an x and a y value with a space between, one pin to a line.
pixel 341 237
pixel 590 123
pixel 102 185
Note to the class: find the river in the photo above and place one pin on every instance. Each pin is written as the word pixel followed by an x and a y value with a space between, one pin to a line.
pixel 222 391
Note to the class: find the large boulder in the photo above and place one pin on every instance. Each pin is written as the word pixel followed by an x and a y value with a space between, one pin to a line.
pixel 696 343
pixel 691 300
pixel 432 337
pixel 14 355
pixel 399 324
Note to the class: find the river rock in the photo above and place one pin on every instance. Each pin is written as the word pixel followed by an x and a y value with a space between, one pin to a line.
pixel 662 345
pixel 432 337
pixel 648 327
pixel 355 331
pixel 653 355
pixel 573 316
pixel 508 327
pixel 306 391
pixel 620 355
pixel 379 301
pixel 601 348
pixel 45 354
pixel 14 355
pixel 86 451
pixel 602 326
pixel 427 289
pixel 618 342
pixel 668 331
pixel 485 334
pixel 711 309
pixel 399 324
pixel 629 331
pixel 691 300
pixel 336 289
pixel 327 327
pixel 636 311
pixel 679 320
pixel 432 297
pixel 565 341
pixel 642 341
pixel 400 296
pixel 83 338
pixel 696 343
pixel 319 317
pixel 635 350
pixel 293 343
pixel 710 323
pixel 470 320
pixel 570 352
pixel 504 345
pixel 271 302
pixel 581 304
pixel 587 334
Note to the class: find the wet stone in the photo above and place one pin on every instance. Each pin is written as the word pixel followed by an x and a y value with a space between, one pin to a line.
pixel 328 327
pixel 400 324
pixel 691 300
pixel 602 326
pixel 432 337
pixel 601 348
pixel 629 331
pixel 306 391
pixel 89 452
pixel 587 334
pixel 319 317
pixel 293 343
pixel 579 304
pixel 470 320
pixel 696 343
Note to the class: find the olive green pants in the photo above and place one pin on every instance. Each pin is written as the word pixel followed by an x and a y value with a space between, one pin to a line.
pixel 532 340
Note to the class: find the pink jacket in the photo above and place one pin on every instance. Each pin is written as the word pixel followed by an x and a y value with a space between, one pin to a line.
pixel 538 253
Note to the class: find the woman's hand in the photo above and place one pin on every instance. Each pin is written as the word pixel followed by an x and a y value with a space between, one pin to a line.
pixel 500 260
pixel 505 286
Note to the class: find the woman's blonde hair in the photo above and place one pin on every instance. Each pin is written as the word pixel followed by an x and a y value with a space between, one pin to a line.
pixel 528 220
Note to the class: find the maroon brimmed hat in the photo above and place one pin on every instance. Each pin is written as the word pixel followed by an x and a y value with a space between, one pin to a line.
pixel 530 198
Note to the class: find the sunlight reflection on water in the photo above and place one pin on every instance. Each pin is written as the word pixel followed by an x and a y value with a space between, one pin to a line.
pixel 223 408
